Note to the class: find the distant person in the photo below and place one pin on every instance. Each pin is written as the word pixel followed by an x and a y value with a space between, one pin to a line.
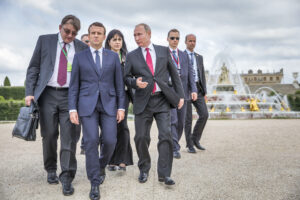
pixel 84 39
pixel 122 156
pixel 200 105
pixel 97 96
pixel 186 73
pixel 47 82
pixel 148 69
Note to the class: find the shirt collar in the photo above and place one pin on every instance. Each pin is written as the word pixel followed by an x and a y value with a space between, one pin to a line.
pixel 189 52
pixel 93 50
pixel 60 40
pixel 176 50
pixel 151 47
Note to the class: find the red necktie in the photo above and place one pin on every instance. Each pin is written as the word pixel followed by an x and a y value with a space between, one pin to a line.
pixel 62 67
pixel 150 65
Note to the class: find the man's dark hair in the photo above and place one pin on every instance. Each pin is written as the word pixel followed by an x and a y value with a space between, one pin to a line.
pixel 173 30
pixel 146 27
pixel 97 24
pixel 73 20
pixel 84 36
pixel 191 34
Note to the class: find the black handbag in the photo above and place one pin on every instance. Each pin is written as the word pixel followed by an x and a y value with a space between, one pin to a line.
pixel 27 122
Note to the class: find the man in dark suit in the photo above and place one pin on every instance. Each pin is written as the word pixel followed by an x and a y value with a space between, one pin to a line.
pixel 47 82
pixel 200 105
pixel 186 73
pixel 97 96
pixel 148 69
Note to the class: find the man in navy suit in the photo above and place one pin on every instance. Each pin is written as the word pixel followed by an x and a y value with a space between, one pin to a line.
pixel 97 96
pixel 185 71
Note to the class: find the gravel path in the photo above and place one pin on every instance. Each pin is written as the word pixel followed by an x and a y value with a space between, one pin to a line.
pixel 245 159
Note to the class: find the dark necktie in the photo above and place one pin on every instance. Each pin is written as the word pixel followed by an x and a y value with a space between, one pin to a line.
pixel 62 67
pixel 98 63
pixel 150 65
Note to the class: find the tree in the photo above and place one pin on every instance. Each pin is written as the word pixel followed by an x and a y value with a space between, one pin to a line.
pixel 6 81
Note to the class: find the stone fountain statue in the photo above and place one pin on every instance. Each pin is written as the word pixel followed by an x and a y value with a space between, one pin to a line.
pixel 224 77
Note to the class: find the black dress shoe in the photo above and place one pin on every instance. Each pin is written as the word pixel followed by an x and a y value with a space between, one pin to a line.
pixel 176 154
pixel 167 180
pixel 67 188
pixel 191 150
pixel 143 177
pixel 198 146
pixel 102 175
pixel 95 192
pixel 52 178
pixel 111 168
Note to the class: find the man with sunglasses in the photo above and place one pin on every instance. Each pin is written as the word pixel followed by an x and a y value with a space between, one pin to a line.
pixel 185 71
pixel 47 82
pixel 85 39
pixel 193 138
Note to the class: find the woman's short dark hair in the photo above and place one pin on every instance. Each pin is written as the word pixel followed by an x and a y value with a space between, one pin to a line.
pixel 110 35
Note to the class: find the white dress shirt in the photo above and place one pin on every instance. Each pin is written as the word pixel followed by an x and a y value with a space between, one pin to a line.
pixel 70 56
pixel 153 56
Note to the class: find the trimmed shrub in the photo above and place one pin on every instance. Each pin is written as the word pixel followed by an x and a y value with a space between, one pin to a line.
pixel 9 110
pixel 16 93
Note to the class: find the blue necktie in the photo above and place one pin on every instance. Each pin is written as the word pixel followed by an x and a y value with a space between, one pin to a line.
pixel 192 58
pixel 175 56
pixel 98 60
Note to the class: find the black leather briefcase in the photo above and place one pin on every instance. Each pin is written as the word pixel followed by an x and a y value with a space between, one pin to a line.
pixel 27 122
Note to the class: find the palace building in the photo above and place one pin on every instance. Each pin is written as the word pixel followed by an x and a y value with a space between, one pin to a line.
pixel 261 78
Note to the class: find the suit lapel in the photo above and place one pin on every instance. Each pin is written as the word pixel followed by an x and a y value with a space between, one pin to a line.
pixel 157 59
pixel 53 46
pixel 198 67
pixel 77 49
pixel 104 61
pixel 91 60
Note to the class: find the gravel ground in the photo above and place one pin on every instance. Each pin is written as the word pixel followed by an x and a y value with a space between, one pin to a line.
pixel 245 159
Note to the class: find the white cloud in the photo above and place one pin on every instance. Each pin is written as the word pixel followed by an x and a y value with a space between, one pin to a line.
pixel 44 5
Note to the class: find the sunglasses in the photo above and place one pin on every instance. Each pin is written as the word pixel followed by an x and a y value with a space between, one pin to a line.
pixel 68 31
pixel 173 38
pixel 86 41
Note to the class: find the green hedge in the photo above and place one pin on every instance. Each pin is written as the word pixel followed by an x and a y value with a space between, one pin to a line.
pixel 9 110
pixel 16 93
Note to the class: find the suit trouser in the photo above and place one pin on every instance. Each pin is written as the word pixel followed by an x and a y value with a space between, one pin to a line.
pixel 202 112
pixel 90 126
pixel 159 108
pixel 177 125
pixel 54 114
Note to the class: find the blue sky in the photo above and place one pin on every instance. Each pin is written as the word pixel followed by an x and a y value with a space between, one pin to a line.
pixel 261 34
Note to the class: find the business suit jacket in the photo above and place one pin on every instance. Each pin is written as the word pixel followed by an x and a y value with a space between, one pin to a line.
pixel 42 63
pixel 201 73
pixel 186 75
pixel 136 66
pixel 88 82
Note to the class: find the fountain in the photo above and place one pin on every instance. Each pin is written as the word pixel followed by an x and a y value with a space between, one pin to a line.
pixel 228 96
